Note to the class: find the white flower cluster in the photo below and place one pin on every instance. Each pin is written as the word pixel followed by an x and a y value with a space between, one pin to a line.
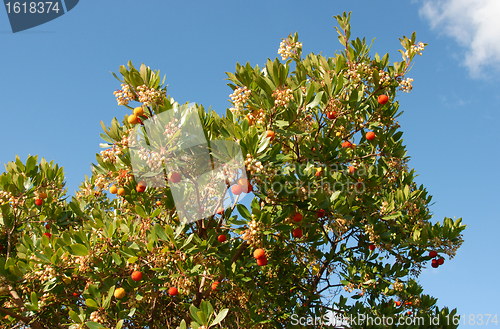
pixel 148 96
pixel 287 49
pixel 110 155
pixel 239 97
pixel 356 72
pixel 417 48
pixel 124 96
pixel 283 96
pixel 96 316
pixel 384 78
pixel 252 233
pixel 252 165
pixel 405 85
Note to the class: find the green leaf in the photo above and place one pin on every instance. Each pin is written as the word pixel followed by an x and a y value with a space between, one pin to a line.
pixel 244 211
pixel 94 325
pixel 193 310
pixel 74 316
pixel 91 303
pixel 106 301
pixel 119 324
pixel 34 300
pixel 160 232
pixel 79 249
pixel 222 314
pixel 140 211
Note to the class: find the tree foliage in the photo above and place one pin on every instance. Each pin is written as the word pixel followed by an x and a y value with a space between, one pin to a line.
pixel 343 225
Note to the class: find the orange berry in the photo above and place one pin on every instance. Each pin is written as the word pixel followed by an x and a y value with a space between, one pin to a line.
pixel 262 261
pixel 121 191
pixel 132 119
pixel 158 203
pixel 259 253
pixel 138 111
pixel 245 185
pixel 383 99
pixel 370 135
pixel 331 115
pixel 351 169
pixel 43 195
pixel 220 211
pixel 136 276
pixel 141 186
pixel 173 291
pixel 270 134
pixel 214 285
pixel 236 189
pixel 346 144
pixel 221 238
pixel 113 189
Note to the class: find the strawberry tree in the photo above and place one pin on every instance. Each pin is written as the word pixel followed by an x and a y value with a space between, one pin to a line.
pixel 336 222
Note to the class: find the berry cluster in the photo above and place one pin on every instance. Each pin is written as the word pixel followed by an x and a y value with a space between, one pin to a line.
pixel 436 261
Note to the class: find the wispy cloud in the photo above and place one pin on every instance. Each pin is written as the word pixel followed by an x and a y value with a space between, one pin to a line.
pixel 474 24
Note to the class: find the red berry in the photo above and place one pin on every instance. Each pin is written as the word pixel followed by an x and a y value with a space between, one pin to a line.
pixel 297 233
pixel 370 135
pixel 136 276
pixel 382 99
pixel 47 226
pixel 173 291
pixel 214 285
pixel 221 238
pixel 262 261
pixel 75 294
pixel 259 253
pixel 297 217
pixel 236 189
pixel 331 115
pixel 433 253
pixel 38 202
pixel 440 261
pixel 398 303
pixel 318 173
pixel 220 211
pixel 435 263
pixel 320 213
pixel 47 234
pixel 175 177
pixel 372 247
pixel 351 170
pixel 346 144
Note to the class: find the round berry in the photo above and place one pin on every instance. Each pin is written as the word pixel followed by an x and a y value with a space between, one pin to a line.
pixel 370 135
pixel 173 291
pixel 383 99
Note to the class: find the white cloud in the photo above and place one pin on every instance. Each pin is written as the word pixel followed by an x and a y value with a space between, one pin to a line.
pixel 474 24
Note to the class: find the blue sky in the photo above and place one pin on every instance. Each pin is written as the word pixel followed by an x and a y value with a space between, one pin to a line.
pixel 55 88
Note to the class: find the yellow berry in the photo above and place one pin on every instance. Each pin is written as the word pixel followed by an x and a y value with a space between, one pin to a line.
pixel 138 111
